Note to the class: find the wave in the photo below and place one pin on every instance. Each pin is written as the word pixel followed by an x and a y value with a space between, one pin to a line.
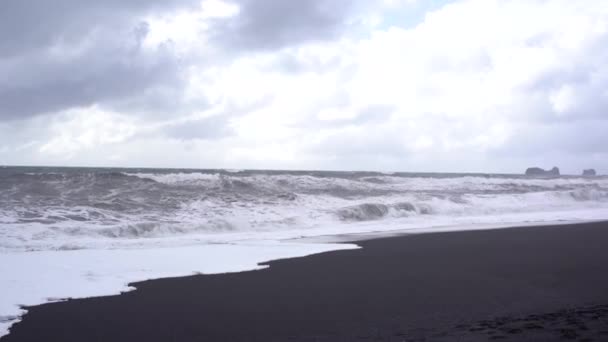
pixel 589 194
pixel 86 207
pixel 177 178
pixel 376 181
pixel 375 211
pixel 156 229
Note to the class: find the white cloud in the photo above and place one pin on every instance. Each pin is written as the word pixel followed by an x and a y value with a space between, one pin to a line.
pixel 464 90
pixel 79 131
pixel 188 28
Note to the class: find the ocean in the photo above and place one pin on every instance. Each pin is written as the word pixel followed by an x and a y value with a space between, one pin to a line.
pixel 78 232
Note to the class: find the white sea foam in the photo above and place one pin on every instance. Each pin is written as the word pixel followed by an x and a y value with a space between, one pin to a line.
pixel 37 277
pixel 177 178
pixel 234 170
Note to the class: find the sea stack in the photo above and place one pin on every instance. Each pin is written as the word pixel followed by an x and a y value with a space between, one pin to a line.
pixel 589 173
pixel 537 171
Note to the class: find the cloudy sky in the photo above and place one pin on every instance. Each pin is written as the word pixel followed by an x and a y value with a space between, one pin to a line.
pixel 410 85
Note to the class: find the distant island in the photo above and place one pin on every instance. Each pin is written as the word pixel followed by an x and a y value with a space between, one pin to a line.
pixel 589 173
pixel 537 171
pixel 554 172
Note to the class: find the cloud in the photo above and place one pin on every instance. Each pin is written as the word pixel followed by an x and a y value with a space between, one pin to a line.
pixel 101 74
pixel 469 85
pixel 66 54
pixel 82 130
pixel 27 25
pixel 273 24
pixel 209 128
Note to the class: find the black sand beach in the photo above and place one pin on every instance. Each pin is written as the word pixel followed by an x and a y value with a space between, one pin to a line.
pixel 533 283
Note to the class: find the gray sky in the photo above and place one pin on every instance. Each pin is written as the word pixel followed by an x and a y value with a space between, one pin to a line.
pixel 470 85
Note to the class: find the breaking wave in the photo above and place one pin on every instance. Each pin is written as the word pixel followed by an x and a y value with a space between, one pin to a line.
pixel 374 211
pixel 87 208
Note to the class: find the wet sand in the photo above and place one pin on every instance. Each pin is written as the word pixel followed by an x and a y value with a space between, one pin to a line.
pixel 532 283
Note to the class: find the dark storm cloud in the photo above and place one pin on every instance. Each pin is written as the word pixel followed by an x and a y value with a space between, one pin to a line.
pixel 56 55
pixel 273 24
pixel 105 73
pixel 37 24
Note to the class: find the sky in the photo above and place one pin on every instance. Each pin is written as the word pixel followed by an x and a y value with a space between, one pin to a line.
pixel 388 85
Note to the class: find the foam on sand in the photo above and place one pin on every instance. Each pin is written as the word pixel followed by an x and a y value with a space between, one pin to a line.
pixel 33 278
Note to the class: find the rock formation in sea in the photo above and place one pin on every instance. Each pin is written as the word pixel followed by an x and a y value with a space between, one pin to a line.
pixel 589 172
pixel 537 171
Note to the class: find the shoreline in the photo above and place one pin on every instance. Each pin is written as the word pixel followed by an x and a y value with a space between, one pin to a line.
pixel 437 286
pixel 374 235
